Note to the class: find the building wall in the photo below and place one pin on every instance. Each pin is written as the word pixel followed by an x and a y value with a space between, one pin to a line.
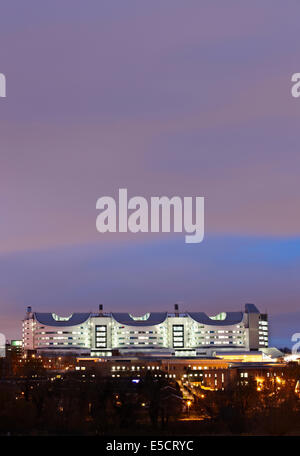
pixel 175 334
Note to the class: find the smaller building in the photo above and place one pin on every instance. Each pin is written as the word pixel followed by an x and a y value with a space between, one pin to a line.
pixel 209 373
pixel 2 345
pixel 15 347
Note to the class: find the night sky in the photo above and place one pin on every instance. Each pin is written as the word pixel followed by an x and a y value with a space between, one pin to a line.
pixel 162 98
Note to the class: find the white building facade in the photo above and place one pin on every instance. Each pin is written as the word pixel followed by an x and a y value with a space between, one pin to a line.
pixel 157 333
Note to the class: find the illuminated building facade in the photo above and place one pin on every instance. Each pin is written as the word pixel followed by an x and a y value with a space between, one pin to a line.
pixel 156 334
pixel 208 373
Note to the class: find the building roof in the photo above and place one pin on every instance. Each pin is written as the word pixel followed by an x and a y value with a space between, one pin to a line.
pixel 47 319
pixel 251 308
pixel 150 319
pixel 155 318
pixel 272 352
pixel 232 318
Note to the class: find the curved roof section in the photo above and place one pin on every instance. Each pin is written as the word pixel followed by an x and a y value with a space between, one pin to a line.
pixel 155 318
pixel 45 318
pixel 232 318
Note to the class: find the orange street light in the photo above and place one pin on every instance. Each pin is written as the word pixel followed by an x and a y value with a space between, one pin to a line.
pixel 189 403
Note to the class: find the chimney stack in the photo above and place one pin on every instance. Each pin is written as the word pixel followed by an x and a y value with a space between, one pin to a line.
pixel 29 309
pixel 100 309
pixel 176 308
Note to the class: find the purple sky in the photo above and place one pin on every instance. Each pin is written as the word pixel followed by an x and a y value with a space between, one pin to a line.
pixel 175 98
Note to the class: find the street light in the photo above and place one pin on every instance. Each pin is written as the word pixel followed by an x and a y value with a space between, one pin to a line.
pixel 189 403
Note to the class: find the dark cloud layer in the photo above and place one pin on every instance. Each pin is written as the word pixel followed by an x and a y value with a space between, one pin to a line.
pixel 221 274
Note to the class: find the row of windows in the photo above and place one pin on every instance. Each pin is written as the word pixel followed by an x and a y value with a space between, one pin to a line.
pixel 59 338
pixel 62 344
pixel 141 343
